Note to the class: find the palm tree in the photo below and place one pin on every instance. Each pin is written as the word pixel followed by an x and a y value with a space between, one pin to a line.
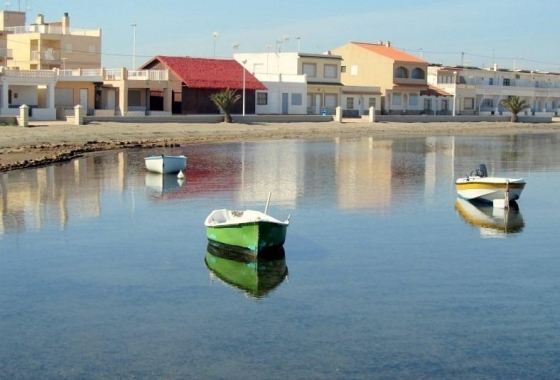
pixel 515 105
pixel 225 100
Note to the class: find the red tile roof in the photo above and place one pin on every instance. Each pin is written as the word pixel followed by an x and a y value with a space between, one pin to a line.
pixel 389 52
pixel 210 73
pixel 434 91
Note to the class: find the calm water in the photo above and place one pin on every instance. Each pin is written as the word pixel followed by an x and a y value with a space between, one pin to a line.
pixel 103 273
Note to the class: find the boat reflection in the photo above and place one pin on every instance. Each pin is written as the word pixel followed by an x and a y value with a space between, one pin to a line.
pixel 493 222
pixel 255 277
pixel 161 184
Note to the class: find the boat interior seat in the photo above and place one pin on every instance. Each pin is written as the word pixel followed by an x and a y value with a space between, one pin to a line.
pixel 220 216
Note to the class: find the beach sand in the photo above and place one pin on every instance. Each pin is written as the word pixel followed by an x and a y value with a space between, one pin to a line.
pixel 45 143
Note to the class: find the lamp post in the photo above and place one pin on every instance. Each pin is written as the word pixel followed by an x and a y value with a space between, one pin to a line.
pixel 133 46
pixel 215 36
pixel 454 90
pixel 244 62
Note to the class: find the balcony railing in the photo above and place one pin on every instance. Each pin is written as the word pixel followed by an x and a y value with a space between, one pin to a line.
pixel 51 29
pixel 147 75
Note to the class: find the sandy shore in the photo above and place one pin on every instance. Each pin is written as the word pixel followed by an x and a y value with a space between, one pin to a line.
pixel 47 143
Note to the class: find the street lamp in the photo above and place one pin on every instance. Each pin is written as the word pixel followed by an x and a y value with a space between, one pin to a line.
pixel 133 46
pixel 454 90
pixel 215 36
pixel 244 62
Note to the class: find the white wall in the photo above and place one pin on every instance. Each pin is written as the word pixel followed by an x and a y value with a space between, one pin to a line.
pixel 24 95
pixel 269 63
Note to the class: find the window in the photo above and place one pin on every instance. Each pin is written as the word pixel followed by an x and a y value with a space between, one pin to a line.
pixel 330 71
pixel 468 103
pixel 401 72
pixel 488 103
pixel 418 73
pixel 491 81
pixel 354 70
pixel 349 103
pixel 262 98
pixel 64 97
pixel 330 100
pixel 310 69
pixel 134 98
pixel 506 82
pixel 397 99
pixel 297 99
pixel 413 100
pixel 371 102
pixel 342 69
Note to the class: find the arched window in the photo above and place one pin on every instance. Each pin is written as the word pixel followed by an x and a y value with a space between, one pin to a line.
pixel 418 73
pixel 401 72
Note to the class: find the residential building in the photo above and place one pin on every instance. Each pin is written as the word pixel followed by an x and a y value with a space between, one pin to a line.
pixel 285 91
pixel 192 81
pixel 322 90
pixel 481 90
pixel 47 45
pixel 400 77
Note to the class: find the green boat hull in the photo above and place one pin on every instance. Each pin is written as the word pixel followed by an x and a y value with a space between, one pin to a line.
pixel 254 237
pixel 256 277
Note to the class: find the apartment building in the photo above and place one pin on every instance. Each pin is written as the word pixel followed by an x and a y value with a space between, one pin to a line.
pixel 47 45
pixel 400 77
pixel 480 90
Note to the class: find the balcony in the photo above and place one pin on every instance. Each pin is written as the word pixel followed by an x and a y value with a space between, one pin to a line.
pixel 50 29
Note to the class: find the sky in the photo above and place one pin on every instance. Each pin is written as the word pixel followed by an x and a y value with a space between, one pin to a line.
pixel 514 34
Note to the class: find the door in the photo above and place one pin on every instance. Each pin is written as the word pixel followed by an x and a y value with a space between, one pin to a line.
pixel 111 100
pixel 317 104
pixel 284 103
pixel 84 98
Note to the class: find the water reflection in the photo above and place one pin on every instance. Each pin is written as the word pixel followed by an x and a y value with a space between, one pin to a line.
pixel 493 222
pixel 161 184
pixel 361 175
pixel 254 277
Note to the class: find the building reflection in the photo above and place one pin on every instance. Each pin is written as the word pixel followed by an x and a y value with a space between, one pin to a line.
pixel 361 175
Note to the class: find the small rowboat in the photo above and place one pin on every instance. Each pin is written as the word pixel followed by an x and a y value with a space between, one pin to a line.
pixel 165 164
pixel 251 231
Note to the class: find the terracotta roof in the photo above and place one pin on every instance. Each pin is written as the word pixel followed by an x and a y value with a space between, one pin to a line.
pixel 389 52
pixel 210 73
pixel 434 91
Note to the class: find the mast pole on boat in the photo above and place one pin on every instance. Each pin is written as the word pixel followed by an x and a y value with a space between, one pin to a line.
pixel 267 202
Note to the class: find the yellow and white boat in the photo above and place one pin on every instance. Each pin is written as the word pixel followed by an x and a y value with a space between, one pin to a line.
pixel 478 186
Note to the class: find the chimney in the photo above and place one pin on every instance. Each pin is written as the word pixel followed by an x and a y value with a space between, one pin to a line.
pixel 40 20
pixel 65 23
pixel 388 44
pixel 495 67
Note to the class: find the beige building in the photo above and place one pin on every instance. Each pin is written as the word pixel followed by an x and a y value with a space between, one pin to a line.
pixel 46 45
pixel 401 77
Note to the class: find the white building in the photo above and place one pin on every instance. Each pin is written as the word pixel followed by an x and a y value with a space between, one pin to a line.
pixel 480 91
pixel 286 89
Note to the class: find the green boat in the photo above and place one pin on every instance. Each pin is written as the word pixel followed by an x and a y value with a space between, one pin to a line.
pixel 252 231
pixel 255 277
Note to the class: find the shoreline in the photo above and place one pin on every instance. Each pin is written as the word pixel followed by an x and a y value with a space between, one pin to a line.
pixel 46 143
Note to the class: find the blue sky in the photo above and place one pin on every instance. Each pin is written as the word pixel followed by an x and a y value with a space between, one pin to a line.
pixel 514 33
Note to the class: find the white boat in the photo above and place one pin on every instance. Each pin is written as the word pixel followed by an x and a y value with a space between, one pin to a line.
pixel 478 186
pixel 165 164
